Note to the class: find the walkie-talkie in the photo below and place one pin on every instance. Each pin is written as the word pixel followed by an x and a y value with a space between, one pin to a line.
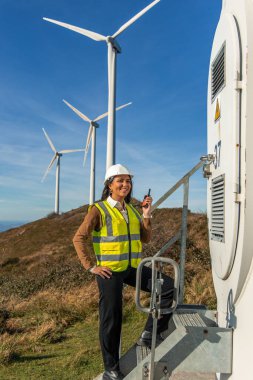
pixel 144 204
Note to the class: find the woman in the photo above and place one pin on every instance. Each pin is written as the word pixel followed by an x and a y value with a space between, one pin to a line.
pixel 118 232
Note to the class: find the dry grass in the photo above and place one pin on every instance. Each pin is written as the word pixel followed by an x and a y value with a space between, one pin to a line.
pixel 200 290
pixel 42 318
pixel 9 348
pixel 59 304
pixel 49 331
pixel 14 326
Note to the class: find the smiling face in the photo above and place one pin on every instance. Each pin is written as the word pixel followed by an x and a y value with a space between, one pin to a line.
pixel 120 187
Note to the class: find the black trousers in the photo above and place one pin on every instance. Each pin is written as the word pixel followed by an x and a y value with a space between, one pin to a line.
pixel 110 310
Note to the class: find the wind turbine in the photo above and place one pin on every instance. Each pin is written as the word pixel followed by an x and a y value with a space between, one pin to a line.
pixel 113 49
pixel 92 135
pixel 57 156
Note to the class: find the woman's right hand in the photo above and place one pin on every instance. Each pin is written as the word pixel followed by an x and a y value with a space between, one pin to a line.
pixel 103 272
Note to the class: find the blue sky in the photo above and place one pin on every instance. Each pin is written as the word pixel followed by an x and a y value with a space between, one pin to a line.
pixel 163 70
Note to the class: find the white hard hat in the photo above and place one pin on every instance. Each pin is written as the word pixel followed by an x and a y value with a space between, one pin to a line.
pixel 116 170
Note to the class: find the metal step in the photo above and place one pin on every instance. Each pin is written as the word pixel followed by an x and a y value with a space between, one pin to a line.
pixel 192 316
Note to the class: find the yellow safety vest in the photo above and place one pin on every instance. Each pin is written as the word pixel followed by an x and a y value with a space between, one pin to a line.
pixel 117 245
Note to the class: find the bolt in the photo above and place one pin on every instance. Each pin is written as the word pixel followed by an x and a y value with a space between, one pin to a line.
pixel 145 371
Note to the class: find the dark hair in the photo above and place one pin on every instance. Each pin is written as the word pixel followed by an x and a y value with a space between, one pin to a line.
pixel 106 190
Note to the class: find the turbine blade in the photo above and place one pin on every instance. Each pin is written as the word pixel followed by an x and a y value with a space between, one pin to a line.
pixel 87 143
pixel 49 141
pixel 52 161
pixel 80 114
pixel 71 150
pixel 106 113
pixel 85 32
pixel 101 116
pixel 85 157
pixel 49 167
pixel 123 106
pixel 133 19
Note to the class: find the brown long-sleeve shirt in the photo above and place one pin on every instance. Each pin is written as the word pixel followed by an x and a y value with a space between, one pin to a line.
pixel 93 221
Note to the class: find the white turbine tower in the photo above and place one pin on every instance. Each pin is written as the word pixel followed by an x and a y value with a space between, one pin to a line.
pixel 113 49
pixel 57 156
pixel 92 135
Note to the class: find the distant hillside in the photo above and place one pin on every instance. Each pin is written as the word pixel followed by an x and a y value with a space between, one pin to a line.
pixel 6 225
pixel 40 255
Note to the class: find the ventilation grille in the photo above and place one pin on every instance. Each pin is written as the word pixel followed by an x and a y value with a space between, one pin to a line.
pixel 218 209
pixel 218 73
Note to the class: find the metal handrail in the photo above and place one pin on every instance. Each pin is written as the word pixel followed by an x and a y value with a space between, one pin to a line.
pixel 177 185
pixel 154 260
pixel 182 233
pixel 166 246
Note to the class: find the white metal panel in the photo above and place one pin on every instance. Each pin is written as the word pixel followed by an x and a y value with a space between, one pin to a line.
pixel 223 140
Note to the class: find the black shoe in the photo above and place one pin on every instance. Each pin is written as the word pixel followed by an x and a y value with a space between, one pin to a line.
pixel 146 339
pixel 113 375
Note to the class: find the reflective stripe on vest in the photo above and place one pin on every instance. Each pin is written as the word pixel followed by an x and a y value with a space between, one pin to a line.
pixel 103 239
pixel 111 244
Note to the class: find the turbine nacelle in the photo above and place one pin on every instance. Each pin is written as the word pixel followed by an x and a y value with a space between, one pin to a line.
pixel 114 43
pixel 94 124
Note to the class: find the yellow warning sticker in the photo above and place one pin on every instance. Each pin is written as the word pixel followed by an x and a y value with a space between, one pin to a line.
pixel 217 111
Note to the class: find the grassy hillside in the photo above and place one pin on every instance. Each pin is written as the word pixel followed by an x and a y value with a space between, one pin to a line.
pixel 48 303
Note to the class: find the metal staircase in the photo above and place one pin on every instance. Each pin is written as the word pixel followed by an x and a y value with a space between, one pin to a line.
pixel 194 344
